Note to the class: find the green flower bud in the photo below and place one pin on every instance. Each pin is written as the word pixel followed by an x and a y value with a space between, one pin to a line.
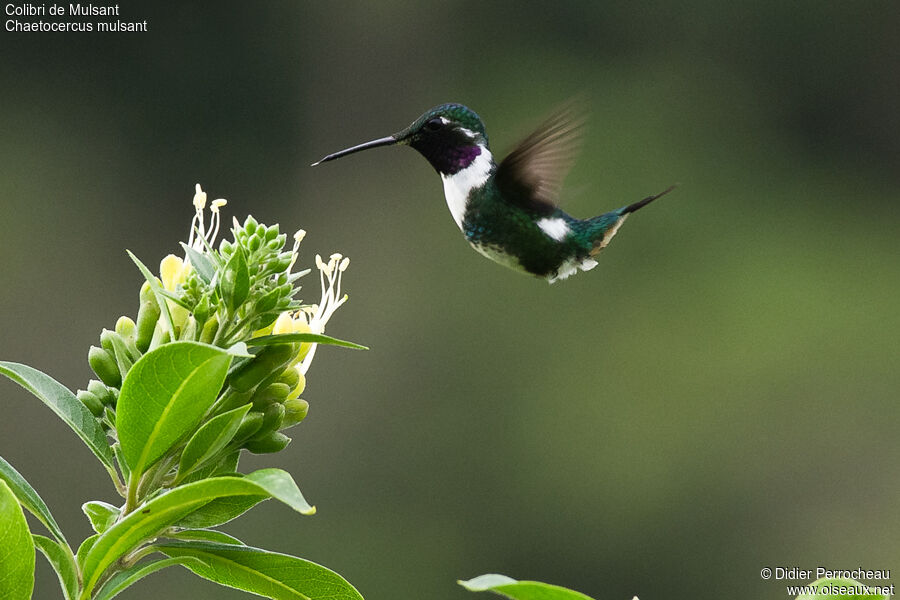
pixel 91 401
pixel 209 330
pixel 226 247
pixel 249 425
pixel 295 410
pixel 113 343
pixel 125 327
pixel 202 310
pixel 273 442
pixel 290 377
pixel 147 317
pixel 271 359
pixel 266 321
pixel 275 245
pixel 104 365
pixel 254 243
pixel 160 336
pixel 106 340
pixel 272 233
pixel 279 265
pixel 268 302
pixel 272 418
pixel 147 292
pixel 250 225
pixel 298 389
pixel 103 393
pixel 189 331
pixel 274 393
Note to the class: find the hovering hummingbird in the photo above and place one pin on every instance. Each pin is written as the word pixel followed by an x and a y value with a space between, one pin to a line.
pixel 508 211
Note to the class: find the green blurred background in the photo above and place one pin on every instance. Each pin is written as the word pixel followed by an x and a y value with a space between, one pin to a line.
pixel 719 395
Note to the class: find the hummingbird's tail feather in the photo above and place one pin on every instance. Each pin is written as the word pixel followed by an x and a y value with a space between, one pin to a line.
pixel 600 230
pixel 642 203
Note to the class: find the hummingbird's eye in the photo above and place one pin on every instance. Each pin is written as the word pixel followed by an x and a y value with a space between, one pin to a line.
pixel 433 124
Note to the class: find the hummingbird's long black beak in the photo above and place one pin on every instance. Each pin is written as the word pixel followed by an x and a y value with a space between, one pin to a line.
pixel 385 141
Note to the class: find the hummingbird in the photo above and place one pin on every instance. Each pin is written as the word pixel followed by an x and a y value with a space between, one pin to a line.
pixel 508 211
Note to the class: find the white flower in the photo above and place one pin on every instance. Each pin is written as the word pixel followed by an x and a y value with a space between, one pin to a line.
pixel 330 277
pixel 317 315
pixel 312 318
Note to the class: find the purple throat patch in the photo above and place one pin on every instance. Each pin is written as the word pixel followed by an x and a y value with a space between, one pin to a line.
pixel 463 156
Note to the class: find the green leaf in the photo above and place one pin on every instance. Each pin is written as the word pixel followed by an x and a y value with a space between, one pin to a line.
pixel 64 403
pixel 151 519
pixel 227 465
pixel 175 298
pixel 62 561
pixel 521 590
pixel 234 286
pixel 29 498
pixel 17 549
pixel 164 397
pixel 158 291
pixel 204 535
pixel 311 338
pixel 201 263
pixel 220 511
pixel 840 588
pixel 281 486
pixel 210 440
pixel 100 514
pixel 269 574
pixel 120 460
pixel 84 549
pixel 123 579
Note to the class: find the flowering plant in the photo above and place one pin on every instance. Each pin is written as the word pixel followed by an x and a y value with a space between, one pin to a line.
pixel 213 364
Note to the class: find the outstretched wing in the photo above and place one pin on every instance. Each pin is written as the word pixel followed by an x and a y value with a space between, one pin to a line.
pixel 531 176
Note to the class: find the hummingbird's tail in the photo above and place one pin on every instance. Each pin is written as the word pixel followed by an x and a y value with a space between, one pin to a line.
pixel 601 229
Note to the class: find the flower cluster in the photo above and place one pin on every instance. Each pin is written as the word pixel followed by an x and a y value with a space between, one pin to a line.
pixel 226 296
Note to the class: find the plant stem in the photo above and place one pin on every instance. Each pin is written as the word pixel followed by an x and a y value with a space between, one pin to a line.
pixel 131 494
pixel 223 323
pixel 162 469
pixel 117 481
pixel 137 555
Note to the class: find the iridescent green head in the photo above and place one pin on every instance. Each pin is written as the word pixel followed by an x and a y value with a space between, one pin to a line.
pixel 449 136
pixel 445 118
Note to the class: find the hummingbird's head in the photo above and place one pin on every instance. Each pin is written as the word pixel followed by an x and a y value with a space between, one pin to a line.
pixel 449 136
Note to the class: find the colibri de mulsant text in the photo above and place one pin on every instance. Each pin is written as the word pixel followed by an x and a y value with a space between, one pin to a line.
pixel 27 17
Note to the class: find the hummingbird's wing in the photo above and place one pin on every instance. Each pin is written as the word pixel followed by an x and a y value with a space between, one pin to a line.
pixel 531 175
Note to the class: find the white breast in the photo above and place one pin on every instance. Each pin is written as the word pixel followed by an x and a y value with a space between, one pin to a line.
pixel 458 185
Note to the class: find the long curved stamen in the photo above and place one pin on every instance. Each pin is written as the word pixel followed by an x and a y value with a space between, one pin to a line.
pixel 200 234
pixel 215 219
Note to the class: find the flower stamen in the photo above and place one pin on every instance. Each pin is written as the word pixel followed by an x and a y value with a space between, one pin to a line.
pixel 199 232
